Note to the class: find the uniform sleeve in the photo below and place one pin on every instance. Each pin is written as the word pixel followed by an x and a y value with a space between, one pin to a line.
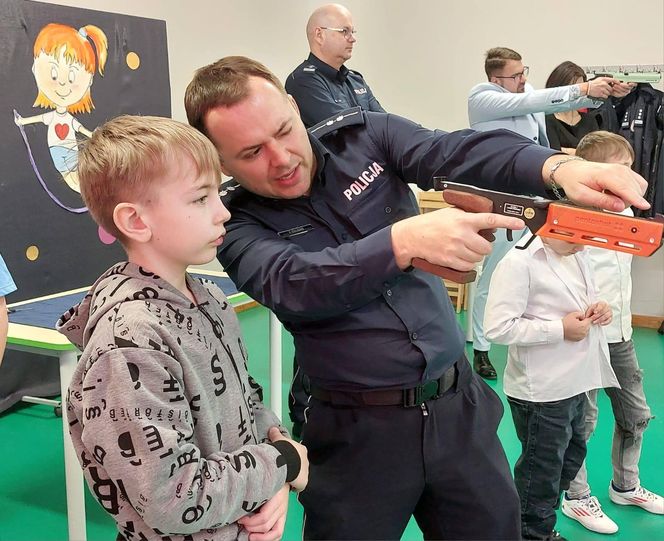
pixel 304 285
pixel 487 104
pixel 150 450
pixel 314 98
pixel 499 160
pixel 507 302
pixel 374 104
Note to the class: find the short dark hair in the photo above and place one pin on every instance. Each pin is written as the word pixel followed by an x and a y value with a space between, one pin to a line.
pixel 565 74
pixel 496 59
pixel 223 83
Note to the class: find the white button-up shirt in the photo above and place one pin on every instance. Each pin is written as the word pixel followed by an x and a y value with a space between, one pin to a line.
pixel 613 280
pixel 531 292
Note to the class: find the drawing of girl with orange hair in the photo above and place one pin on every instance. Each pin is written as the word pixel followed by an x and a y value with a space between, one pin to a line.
pixel 65 61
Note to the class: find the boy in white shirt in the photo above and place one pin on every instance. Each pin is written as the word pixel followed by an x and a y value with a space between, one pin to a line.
pixel 543 305
pixel 611 274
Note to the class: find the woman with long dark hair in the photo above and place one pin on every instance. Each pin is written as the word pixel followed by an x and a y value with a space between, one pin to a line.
pixel 565 129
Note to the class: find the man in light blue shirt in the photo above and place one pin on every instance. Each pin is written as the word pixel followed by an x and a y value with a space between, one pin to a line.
pixel 508 101
pixel 7 285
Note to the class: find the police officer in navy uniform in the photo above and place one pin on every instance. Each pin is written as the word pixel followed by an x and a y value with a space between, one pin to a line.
pixel 322 85
pixel 323 232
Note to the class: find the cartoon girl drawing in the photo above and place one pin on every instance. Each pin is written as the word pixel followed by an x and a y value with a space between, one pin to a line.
pixel 65 61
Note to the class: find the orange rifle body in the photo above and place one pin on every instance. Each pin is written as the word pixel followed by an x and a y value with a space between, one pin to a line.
pixel 551 219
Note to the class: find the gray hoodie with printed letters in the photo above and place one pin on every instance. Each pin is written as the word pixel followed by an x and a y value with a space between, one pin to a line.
pixel 167 424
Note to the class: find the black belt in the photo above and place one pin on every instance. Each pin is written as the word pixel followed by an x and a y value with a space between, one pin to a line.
pixel 408 398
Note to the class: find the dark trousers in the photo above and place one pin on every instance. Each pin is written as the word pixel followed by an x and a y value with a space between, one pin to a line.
pixel 373 467
pixel 298 398
pixel 553 447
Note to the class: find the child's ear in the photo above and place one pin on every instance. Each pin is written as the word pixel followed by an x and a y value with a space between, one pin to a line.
pixel 127 218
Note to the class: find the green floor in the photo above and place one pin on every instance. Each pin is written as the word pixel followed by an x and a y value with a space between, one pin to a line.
pixel 32 495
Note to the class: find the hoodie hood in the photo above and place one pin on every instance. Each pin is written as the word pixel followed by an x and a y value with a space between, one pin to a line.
pixel 123 282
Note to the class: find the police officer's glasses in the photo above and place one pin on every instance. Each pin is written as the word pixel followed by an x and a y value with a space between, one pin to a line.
pixel 516 76
pixel 347 32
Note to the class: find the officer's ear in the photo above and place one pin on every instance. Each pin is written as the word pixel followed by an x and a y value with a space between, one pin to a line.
pixel 291 99
pixel 223 168
pixel 318 35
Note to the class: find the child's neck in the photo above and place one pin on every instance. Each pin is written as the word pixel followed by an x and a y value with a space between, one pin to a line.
pixel 174 274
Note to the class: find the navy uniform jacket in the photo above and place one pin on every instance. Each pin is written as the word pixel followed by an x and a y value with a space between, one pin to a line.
pixel 324 263
pixel 321 91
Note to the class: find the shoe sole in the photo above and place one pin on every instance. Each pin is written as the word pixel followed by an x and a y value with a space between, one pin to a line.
pixel 632 504
pixel 571 515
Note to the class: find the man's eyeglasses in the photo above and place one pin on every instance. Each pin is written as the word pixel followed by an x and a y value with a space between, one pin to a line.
pixel 347 32
pixel 516 76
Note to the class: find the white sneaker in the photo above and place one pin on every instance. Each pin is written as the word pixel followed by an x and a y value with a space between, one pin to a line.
pixel 589 513
pixel 639 496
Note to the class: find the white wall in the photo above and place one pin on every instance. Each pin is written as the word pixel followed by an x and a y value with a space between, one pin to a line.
pixel 419 56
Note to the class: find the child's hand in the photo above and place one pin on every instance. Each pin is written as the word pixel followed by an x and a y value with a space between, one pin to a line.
pixel 599 313
pixel 300 482
pixel 268 523
pixel 576 326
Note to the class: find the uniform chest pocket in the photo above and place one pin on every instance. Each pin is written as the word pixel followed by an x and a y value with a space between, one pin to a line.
pixel 340 98
pixel 379 205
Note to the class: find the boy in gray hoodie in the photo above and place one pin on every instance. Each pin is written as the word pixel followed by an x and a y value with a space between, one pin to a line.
pixel 168 426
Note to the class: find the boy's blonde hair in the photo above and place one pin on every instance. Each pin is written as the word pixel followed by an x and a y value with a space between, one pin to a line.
pixel 601 146
pixel 127 156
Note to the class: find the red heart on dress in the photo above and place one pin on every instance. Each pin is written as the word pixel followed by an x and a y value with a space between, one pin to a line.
pixel 61 130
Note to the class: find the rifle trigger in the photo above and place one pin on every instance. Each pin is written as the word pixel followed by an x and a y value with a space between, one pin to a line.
pixel 524 246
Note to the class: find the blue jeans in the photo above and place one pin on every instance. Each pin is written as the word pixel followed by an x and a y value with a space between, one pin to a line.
pixel 631 413
pixel 553 447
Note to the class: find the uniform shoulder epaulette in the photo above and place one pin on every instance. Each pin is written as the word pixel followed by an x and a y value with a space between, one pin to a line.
pixel 347 117
pixel 230 190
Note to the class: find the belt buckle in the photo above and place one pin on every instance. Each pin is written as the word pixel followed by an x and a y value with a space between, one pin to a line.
pixel 418 395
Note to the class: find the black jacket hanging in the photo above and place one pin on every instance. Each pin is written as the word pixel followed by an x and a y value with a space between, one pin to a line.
pixel 641 124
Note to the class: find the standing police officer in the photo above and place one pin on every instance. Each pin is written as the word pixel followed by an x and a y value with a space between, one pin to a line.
pixel 322 86
pixel 323 232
